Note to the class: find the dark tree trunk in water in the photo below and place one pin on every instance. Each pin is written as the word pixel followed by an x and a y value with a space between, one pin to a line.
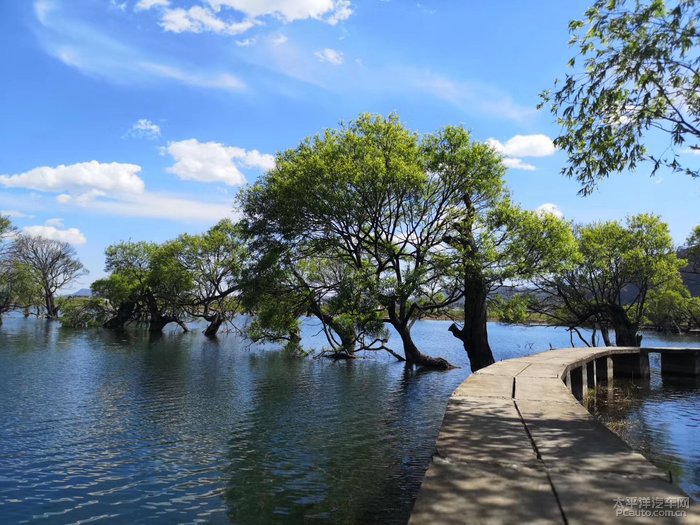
pixel 51 310
pixel 158 321
pixel 625 330
pixel 413 355
pixel 215 322
pixel 123 316
pixel 473 334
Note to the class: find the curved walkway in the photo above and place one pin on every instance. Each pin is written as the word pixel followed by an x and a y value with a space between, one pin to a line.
pixel 516 446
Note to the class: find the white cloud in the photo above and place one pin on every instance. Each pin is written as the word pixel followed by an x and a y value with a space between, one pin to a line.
pixel 15 214
pixel 549 209
pixel 82 177
pixel 71 235
pixel 219 81
pixel 329 55
pixel 56 223
pixel 329 11
pixel 342 11
pixel 692 150
pixel 214 162
pixel 144 5
pixel 144 128
pixel 279 40
pixel 198 19
pixel 517 164
pixel 245 43
pixel 154 205
pixel 538 145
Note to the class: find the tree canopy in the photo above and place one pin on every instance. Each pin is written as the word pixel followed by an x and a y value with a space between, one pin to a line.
pixel 414 223
pixel 618 269
pixel 636 75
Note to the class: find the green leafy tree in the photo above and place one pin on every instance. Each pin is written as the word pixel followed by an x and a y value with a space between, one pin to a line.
pixel 214 262
pixel 636 71
pixel 146 285
pixel 84 312
pixel 488 239
pixel 691 251
pixel 513 310
pixel 417 223
pixel 618 269
pixel 354 196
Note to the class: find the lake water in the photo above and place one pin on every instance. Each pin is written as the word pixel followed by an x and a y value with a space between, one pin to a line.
pixel 660 418
pixel 99 427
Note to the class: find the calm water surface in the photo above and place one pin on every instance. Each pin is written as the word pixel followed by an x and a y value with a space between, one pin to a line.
pixel 98 427
pixel 661 419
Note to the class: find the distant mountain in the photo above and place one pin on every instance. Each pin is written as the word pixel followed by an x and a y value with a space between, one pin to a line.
pixel 692 281
pixel 83 292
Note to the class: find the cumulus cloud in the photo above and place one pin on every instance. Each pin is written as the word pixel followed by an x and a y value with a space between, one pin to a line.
pixel 144 128
pixel 79 178
pixel 550 209
pixel 329 55
pixel 198 19
pixel 155 205
pixel 71 235
pixel 214 162
pixel 517 164
pixel 329 11
pixel 538 145
pixel 144 5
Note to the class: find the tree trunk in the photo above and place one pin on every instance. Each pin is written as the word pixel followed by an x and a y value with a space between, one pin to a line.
pixel 215 322
pixel 51 310
pixel 347 337
pixel 122 316
pixel 157 323
pixel 473 334
pixel 415 356
pixel 625 330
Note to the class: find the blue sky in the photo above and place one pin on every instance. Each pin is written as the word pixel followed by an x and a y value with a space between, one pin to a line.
pixel 141 119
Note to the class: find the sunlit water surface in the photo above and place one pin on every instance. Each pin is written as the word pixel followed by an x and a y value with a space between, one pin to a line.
pixel 99 427
pixel 659 418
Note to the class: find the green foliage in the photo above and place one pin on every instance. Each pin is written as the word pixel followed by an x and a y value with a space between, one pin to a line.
pixel 692 250
pixel 146 283
pixel 636 71
pixel 373 219
pixel 84 312
pixel 514 310
pixel 618 270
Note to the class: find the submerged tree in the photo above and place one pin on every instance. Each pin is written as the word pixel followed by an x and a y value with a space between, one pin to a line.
pixel 214 262
pixel 488 239
pixel 354 197
pixel 145 285
pixel 50 264
pixel 413 224
pixel 639 64
pixel 619 268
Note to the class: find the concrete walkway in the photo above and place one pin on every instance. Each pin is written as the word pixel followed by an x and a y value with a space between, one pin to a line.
pixel 517 447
